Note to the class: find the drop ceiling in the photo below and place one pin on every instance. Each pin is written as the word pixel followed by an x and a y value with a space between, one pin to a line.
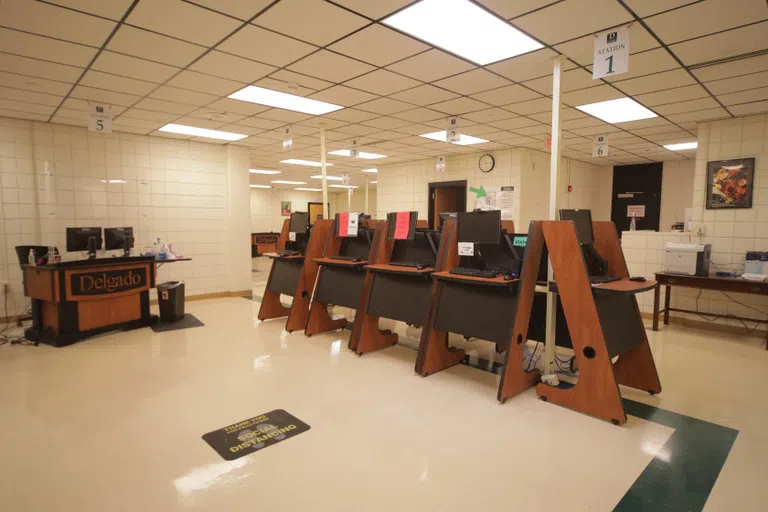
pixel 177 61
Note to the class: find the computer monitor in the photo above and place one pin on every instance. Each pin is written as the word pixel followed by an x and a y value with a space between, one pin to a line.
pixel 401 225
pixel 480 227
pixel 84 239
pixel 347 224
pixel 583 221
pixel 299 222
pixel 118 238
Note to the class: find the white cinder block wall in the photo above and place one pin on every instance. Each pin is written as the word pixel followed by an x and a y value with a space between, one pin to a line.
pixel 731 232
pixel 265 206
pixel 174 189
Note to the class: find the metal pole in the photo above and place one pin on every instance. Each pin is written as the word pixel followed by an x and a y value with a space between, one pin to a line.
pixel 366 196
pixel 548 375
pixel 325 181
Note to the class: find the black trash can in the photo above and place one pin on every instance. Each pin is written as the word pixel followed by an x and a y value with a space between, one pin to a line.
pixel 170 298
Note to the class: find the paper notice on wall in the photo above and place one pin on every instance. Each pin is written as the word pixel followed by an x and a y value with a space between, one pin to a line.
pixel 637 211
pixel 498 198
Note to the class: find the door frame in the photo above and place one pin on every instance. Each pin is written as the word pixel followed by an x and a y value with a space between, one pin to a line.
pixel 320 203
pixel 461 188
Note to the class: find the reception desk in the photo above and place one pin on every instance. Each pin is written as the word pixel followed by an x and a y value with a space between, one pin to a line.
pixel 77 299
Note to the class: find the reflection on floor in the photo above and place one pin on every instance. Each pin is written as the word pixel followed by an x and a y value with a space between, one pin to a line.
pixel 115 423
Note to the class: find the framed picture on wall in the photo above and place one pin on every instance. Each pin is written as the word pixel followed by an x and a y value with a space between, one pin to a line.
pixel 285 208
pixel 730 183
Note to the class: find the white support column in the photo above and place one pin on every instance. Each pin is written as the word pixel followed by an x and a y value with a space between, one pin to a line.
pixel 349 199
pixel 548 375
pixel 325 181
pixel 366 196
pixel 238 219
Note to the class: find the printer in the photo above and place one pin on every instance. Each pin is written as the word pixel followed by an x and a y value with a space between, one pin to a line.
pixel 687 259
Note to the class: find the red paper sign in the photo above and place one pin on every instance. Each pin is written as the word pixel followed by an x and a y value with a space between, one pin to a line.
pixel 343 224
pixel 402 225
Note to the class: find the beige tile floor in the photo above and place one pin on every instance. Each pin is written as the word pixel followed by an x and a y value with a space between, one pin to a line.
pixel 115 424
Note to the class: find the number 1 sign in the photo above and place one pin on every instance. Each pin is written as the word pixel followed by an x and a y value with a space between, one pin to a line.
pixel 611 53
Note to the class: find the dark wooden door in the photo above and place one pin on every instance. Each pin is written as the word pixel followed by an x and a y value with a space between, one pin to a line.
pixel 636 185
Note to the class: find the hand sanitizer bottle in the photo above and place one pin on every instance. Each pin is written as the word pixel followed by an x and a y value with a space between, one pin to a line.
pixel 632 224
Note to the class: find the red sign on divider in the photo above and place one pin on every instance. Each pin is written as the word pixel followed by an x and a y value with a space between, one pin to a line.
pixel 402 225
pixel 343 224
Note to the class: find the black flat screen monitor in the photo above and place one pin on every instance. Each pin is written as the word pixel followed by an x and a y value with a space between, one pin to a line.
pixel 519 247
pixel 115 238
pixel 407 220
pixel 480 227
pixel 77 239
pixel 583 221
pixel 347 224
pixel 299 222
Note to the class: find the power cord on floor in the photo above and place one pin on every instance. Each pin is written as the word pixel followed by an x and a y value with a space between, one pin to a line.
pixel 710 318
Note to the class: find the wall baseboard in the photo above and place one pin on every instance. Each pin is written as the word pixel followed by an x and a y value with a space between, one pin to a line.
pixel 216 295
pixel 710 326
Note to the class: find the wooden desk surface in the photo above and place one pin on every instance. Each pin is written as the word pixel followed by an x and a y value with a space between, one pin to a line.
pixel 340 263
pixel 274 255
pixel 399 270
pixel 732 284
pixel 626 286
pixel 493 281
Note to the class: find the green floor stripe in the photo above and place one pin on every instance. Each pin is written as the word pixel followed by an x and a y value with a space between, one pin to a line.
pixel 685 470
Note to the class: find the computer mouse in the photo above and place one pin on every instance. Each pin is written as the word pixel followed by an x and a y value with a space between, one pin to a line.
pixel 421 266
pixel 639 279
pixel 507 277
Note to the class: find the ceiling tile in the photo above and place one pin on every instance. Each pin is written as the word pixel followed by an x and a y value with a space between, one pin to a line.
pixel 286 116
pixel 701 115
pixel 114 9
pixel 341 95
pixel 507 9
pixel 165 106
pixel 375 10
pixel 39 68
pixel 686 106
pixel 119 64
pixel 330 66
pixel 279 85
pixel 216 114
pixel 384 106
pixel 148 115
pixel 738 83
pixel 391 123
pixel 579 18
pixel 382 82
pixel 424 95
pixel 199 123
pixel 430 66
pixel 242 9
pixel 472 82
pixel 302 80
pixel 350 115
pixel 489 115
pixel 265 46
pixel 100 95
pixel 134 41
pixel 531 106
pixel 514 123
pixel 142 125
pixel 378 45
pixel 506 95
pixel 237 106
pixel 354 129
pixel 44 48
pixel 591 95
pixel 690 92
pixel 205 83
pixel 720 46
pixel 21 106
pixel 646 63
pixel 182 20
pixel 657 82
pixel 117 83
pixel 749 108
pixel 23 115
pixel 645 8
pixel 571 80
pixel 258 122
pixel 30 96
pixel 314 21
pixel 528 66
pixel 732 69
pixel 416 115
pixel 534 130
pixel 177 95
pixel 34 84
pixel 459 106
pixel 53 21
pixel 704 18
pixel 744 96
pixel 229 66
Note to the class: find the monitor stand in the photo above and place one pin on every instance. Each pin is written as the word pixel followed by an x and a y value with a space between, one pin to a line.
pixel 596 265
pixel 92 248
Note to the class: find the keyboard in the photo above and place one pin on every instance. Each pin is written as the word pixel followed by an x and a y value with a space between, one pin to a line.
pixel 409 264
pixel 287 253
pixel 603 279
pixel 473 272
pixel 345 258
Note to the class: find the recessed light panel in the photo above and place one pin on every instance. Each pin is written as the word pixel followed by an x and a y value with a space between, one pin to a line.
pixel 287 182
pixel 260 186
pixel 201 132
pixel 253 94
pixel 309 189
pixel 361 154
pixel 262 171
pixel 463 28
pixel 371 171
pixel 308 163
pixel 343 186
pixel 622 110
pixel 682 146
pixel 464 140
pixel 329 178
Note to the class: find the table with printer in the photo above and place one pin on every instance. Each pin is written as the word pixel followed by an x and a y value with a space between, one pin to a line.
pixel 687 265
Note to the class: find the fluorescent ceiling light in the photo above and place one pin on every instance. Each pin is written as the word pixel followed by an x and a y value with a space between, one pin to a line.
pixel 113 181
pixel 260 186
pixel 361 154
pixel 253 94
pixel 288 182
pixel 464 140
pixel 463 28
pixel 374 182
pixel 343 186
pixel 262 171
pixel 329 178
pixel 682 146
pixel 201 132
pixel 372 171
pixel 308 163
pixel 622 110
pixel 310 189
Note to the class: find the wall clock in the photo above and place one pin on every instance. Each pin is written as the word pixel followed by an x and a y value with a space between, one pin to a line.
pixel 486 163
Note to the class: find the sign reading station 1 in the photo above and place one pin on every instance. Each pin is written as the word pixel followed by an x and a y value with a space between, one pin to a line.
pixel 108 281
pixel 254 434
pixel 611 54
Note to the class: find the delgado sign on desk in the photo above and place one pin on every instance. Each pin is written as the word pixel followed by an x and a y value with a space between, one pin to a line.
pixel 108 281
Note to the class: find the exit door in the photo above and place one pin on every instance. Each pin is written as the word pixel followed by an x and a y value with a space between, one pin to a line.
pixel 637 189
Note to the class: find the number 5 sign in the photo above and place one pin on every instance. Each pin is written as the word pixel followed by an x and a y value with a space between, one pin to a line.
pixel 611 53
pixel 99 118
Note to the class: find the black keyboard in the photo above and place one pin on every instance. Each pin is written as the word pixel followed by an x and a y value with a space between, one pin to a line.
pixel 473 272
pixel 603 279
pixel 287 253
pixel 409 264
pixel 345 258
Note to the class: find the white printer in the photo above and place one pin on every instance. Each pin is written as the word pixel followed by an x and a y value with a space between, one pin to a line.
pixel 687 259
